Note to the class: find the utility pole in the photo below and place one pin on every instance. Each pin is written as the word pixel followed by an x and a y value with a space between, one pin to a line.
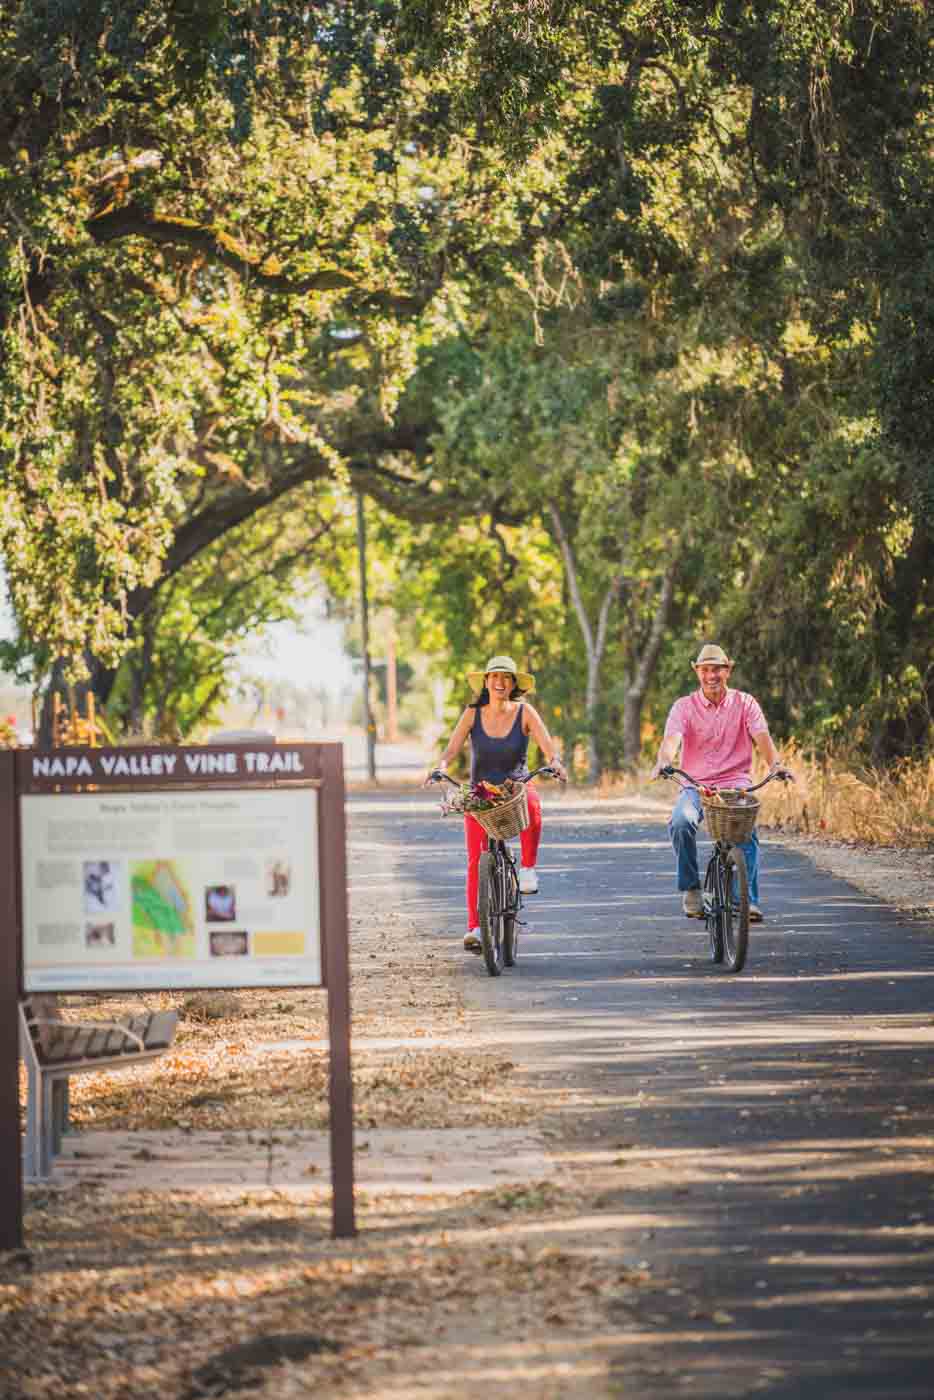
pixel 365 630
pixel 392 696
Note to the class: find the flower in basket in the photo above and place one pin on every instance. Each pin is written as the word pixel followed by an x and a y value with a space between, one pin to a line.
pixel 479 797
pixel 9 737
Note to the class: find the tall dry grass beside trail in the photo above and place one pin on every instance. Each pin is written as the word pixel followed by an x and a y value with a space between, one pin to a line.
pixel 838 798
pixel 834 798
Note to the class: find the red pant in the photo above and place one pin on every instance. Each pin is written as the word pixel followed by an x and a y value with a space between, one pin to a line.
pixel 476 839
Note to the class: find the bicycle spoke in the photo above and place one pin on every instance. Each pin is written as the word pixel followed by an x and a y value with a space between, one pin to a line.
pixel 711 896
pixel 736 910
pixel 511 904
pixel 490 908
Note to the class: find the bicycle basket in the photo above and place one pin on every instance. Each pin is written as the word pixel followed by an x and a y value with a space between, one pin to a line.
pixel 731 818
pixel 506 818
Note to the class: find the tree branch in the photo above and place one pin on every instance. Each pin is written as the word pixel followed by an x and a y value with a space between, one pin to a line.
pixel 573 586
pixel 130 221
pixel 609 598
pixel 646 664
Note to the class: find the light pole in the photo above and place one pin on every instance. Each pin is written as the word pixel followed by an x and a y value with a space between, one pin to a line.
pixel 365 631
pixel 392 690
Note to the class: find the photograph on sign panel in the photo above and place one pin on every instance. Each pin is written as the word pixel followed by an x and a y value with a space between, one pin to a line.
pixel 163 916
pixel 102 886
pixel 99 936
pixel 220 904
pixel 278 878
pixel 229 943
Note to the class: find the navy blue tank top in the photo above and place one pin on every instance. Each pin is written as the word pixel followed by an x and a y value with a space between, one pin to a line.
pixel 498 759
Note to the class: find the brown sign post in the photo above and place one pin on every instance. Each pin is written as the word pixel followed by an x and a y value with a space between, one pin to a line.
pixel 11 1153
pixel 162 868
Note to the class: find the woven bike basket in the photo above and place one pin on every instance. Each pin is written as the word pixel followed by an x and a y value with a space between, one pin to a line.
pixel 732 818
pixel 506 818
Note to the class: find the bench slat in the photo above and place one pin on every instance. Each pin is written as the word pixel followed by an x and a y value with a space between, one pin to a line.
pixel 161 1030
pixel 60 1042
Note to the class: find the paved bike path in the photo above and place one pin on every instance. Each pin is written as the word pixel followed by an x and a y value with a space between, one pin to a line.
pixel 764 1141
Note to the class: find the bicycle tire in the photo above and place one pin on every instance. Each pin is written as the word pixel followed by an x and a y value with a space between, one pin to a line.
pixel 713 881
pixel 512 902
pixel 490 910
pixel 736 915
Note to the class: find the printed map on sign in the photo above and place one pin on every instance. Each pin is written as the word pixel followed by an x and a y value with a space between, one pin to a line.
pixel 163 914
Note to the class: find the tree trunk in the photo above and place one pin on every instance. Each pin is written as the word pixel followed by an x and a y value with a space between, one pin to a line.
pixel 645 669
pixel 594 643
pixel 904 592
pixel 99 682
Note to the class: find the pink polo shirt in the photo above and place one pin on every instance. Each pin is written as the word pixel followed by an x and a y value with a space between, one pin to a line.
pixel 716 740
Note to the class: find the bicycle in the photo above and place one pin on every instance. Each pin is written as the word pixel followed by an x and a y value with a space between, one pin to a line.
pixel 499 898
pixel 726 882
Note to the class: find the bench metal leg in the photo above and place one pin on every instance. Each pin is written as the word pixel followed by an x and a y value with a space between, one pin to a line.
pixel 46 1127
pixel 31 1143
pixel 59 1114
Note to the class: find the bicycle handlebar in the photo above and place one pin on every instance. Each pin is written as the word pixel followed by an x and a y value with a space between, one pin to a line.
pixel 437 775
pixel 783 774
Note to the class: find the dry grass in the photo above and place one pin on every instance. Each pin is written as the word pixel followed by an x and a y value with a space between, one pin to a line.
pixel 191 1297
pixel 836 797
pixel 225 1084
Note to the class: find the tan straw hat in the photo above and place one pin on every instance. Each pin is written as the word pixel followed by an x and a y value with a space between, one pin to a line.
pixel 710 655
pixel 476 679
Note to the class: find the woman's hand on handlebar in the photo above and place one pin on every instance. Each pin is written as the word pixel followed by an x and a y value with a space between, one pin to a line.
pixel 438 775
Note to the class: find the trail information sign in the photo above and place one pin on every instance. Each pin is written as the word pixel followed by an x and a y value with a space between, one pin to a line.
pixel 148 869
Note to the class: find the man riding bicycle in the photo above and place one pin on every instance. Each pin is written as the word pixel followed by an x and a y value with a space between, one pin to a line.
pixel 717 727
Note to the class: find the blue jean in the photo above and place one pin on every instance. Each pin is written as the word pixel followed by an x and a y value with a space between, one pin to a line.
pixel 685 819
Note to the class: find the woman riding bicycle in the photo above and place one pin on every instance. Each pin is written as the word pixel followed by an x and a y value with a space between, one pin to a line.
pixel 499 723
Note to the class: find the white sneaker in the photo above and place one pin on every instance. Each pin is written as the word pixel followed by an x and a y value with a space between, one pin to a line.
pixel 473 943
pixel 692 904
pixel 528 880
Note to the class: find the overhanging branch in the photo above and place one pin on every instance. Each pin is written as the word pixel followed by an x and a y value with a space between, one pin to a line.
pixel 130 221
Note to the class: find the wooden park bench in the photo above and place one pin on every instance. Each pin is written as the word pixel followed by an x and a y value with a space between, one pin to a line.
pixel 54 1049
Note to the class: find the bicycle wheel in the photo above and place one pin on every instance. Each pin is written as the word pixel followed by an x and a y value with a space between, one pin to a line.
pixel 735 911
pixel 490 910
pixel 511 905
pixel 713 881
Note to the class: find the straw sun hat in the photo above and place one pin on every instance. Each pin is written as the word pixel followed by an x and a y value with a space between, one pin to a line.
pixel 476 679
pixel 710 655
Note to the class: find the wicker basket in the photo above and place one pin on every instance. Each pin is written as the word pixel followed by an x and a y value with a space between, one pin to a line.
pixel 731 819
pixel 506 818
